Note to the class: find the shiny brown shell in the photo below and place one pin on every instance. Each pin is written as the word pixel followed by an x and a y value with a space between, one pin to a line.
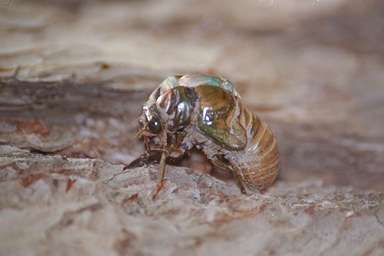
pixel 207 112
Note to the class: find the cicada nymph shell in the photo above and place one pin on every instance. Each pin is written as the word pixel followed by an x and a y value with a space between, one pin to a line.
pixel 206 112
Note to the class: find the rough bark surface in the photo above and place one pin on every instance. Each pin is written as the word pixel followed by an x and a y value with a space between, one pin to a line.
pixel 73 76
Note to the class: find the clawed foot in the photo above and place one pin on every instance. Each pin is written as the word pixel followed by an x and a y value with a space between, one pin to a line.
pixel 159 187
pixel 243 190
pixel 160 183
pixel 240 185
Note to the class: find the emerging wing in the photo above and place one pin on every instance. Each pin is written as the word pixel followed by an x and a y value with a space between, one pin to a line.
pixel 218 118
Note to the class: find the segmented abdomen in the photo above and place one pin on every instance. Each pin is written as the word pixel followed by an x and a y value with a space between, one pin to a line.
pixel 259 163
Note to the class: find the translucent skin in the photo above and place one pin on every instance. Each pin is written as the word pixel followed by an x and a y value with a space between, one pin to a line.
pixel 206 112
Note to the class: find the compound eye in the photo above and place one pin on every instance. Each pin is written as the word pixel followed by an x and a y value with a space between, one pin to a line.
pixel 182 114
pixel 154 125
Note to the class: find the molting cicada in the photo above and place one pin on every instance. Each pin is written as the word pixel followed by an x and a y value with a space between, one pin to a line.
pixel 206 112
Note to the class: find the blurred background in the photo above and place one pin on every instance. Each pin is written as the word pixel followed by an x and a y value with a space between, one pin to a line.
pixel 311 68
pixel 74 75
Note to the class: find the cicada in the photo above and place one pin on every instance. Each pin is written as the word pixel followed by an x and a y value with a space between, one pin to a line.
pixel 206 112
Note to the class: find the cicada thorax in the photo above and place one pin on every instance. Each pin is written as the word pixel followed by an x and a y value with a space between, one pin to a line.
pixel 176 93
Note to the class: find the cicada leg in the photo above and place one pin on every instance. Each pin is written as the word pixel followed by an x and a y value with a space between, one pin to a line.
pixel 160 182
pixel 146 144
pixel 163 163
pixel 223 163
pixel 239 180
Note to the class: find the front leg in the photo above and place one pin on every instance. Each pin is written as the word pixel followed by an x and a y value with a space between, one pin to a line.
pixel 163 163
pixel 160 183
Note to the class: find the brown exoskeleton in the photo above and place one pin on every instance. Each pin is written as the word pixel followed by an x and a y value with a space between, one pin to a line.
pixel 206 112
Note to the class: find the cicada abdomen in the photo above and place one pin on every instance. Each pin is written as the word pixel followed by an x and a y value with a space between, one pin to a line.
pixel 258 163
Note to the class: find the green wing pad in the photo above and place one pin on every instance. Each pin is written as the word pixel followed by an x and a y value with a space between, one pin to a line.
pixel 196 80
pixel 217 117
pixel 170 82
